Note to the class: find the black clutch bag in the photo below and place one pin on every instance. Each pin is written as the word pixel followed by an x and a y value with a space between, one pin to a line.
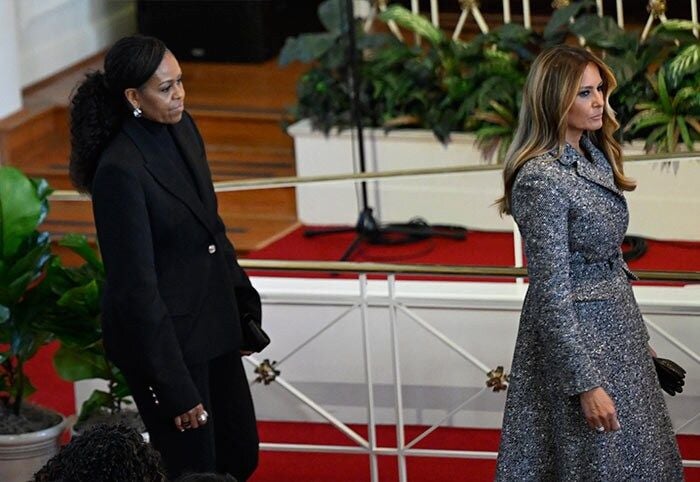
pixel 254 338
pixel 671 375
pixel 250 309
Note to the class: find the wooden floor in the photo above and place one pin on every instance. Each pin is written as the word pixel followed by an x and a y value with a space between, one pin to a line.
pixel 239 109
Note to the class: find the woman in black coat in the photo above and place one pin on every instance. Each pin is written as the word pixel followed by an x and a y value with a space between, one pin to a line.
pixel 170 314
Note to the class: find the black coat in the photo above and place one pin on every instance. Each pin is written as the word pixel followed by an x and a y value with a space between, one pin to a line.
pixel 169 299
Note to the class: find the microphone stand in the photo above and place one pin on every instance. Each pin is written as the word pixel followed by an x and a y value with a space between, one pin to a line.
pixel 367 227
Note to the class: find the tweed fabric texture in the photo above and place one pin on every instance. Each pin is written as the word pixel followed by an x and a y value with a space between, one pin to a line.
pixel 580 328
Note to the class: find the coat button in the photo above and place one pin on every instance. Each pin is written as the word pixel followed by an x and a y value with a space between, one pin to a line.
pixel 212 249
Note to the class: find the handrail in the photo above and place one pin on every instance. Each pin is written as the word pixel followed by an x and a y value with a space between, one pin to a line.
pixel 435 269
pixel 291 181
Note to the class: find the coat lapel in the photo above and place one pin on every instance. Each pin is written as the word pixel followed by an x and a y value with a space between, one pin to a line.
pixel 185 138
pixel 597 171
pixel 166 173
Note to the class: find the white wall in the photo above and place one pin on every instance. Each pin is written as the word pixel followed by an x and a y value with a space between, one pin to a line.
pixel 10 98
pixel 55 34
pixel 659 208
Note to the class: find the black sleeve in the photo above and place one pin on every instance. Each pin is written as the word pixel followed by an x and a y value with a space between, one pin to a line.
pixel 124 233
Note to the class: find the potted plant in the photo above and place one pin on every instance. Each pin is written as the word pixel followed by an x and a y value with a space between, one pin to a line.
pixel 81 355
pixel 467 95
pixel 29 435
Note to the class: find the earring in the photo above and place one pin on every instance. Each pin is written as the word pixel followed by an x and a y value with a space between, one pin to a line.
pixel 137 112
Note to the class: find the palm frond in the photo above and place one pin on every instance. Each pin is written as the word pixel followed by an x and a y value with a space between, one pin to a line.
pixel 672 135
pixel 685 135
pixel 694 123
pixel 686 99
pixel 646 119
pixel 656 140
pixel 663 91
pixel 686 62
pixel 415 23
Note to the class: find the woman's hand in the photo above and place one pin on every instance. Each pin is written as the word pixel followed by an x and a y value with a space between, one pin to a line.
pixel 193 418
pixel 599 410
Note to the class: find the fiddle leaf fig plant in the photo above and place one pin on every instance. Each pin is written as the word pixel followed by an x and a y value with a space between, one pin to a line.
pixel 42 300
pixel 82 355
pixel 24 257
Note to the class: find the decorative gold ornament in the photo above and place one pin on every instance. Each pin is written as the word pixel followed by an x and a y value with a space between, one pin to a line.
pixel 468 4
pixel 266 372
pixel 557 4
pixel 657 8
pixel 497 379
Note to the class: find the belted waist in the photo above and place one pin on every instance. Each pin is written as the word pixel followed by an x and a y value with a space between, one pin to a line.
pixel 583 268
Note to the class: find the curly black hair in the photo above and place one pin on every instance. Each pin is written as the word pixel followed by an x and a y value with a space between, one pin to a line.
pixel 105 453
pixel 99 106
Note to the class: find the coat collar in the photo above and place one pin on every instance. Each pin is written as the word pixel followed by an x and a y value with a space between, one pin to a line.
pixel 596 170
pixel 167 174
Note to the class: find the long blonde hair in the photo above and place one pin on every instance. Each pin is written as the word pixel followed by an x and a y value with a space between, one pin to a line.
pixel 550 91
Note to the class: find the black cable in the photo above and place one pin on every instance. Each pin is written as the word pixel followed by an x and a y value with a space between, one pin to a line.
pixel 637 248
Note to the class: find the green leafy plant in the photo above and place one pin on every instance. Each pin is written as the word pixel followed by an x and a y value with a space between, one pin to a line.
pixel 82 355
pixel 449 85
pixel 323 92
pixel 42 300
pixel 24 305
pixel 495 134
pixel 673 117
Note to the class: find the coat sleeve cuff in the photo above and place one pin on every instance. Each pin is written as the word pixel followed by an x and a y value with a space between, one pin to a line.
pixel 177 398
pixel 583 384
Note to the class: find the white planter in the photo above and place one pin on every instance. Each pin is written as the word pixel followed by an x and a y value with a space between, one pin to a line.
pixel 22 455
pixel 658 208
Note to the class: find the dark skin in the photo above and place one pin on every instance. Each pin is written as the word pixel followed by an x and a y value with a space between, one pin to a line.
pixel 162 97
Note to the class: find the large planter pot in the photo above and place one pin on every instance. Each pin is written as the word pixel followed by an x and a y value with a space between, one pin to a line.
pixel 22 455
pixel 658 208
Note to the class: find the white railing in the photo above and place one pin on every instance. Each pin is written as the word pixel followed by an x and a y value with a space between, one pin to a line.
pixel 405 311
pixel 656 9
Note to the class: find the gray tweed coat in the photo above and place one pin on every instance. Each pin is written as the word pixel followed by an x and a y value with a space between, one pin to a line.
pixel 580 328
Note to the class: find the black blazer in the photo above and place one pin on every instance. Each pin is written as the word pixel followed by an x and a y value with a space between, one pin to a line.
pixel 169 299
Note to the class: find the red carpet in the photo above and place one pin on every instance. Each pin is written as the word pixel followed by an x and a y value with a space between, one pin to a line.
pixel 298 467
pixel 294 467
pixel 480 249
pixel 51 391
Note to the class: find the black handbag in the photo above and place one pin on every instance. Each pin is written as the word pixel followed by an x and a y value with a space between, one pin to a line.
pixel 249 308
pixel 671 375
pixel 254 337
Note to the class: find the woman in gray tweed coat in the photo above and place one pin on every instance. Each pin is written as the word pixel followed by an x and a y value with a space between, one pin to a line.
pixel 584 401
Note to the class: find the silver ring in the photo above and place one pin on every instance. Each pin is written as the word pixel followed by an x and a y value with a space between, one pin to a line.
pixel 202 417
pixel 600 429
